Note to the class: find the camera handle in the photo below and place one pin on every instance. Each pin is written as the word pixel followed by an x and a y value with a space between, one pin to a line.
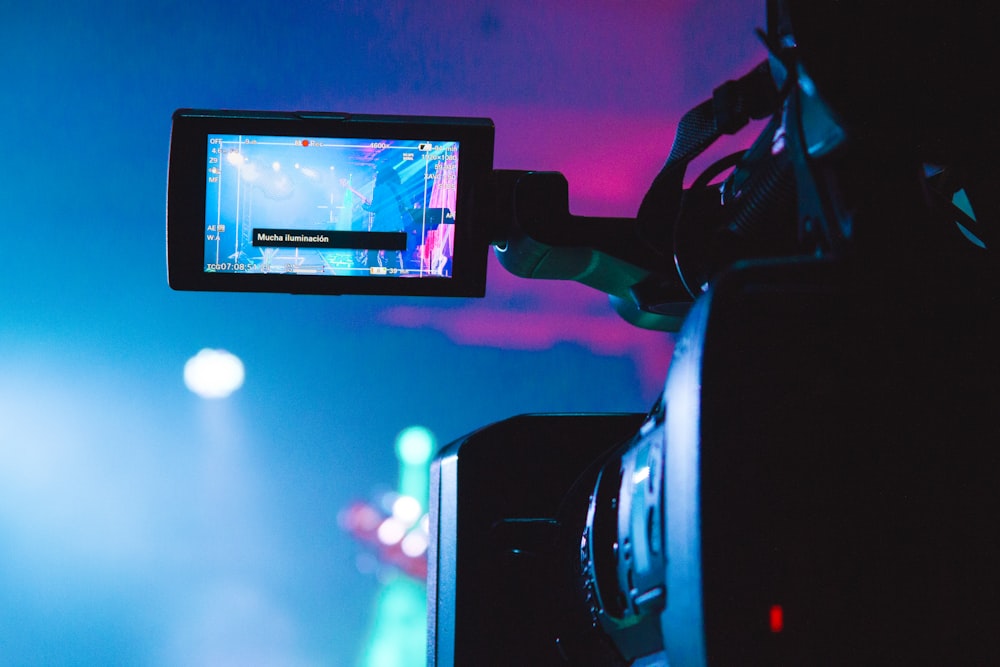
pixel 630 259
pixel 537 237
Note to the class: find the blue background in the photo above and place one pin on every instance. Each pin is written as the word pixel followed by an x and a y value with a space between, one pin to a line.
pixel 140 524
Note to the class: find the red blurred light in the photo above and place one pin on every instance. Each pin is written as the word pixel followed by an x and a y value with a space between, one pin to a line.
pixel 777 618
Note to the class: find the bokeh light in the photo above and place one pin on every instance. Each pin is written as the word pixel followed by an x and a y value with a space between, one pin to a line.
pixel 214 373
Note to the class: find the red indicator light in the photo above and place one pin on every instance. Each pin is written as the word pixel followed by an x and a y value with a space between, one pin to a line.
pixel 777 618
pixel 305 142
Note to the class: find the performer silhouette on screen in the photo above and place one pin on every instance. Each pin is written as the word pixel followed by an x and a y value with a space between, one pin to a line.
pixel 352 201
pixel 354 216
pixel 389 213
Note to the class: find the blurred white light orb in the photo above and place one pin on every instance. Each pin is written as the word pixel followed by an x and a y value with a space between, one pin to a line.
pixel 414 544
pixel 391 531
pixel 407 509
pixel 214 373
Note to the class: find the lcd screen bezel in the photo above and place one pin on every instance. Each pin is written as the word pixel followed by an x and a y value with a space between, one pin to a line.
pixel 187 191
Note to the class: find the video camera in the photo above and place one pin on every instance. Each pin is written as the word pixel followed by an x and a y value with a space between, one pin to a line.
pixel 815 484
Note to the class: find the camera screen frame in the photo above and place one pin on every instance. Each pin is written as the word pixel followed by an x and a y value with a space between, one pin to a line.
pixel 194 135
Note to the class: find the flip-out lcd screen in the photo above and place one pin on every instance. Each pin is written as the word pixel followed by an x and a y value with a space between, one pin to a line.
pixel 320 203
pixel 330 206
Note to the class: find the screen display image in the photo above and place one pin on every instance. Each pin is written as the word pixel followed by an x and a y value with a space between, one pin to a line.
pixel 330 207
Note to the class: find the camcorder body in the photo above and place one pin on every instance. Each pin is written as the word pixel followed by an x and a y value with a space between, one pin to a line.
pixel 816 483
pixel 816 487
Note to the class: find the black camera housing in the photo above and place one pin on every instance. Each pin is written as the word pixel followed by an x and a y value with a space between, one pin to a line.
pixel 491 575
pixel 814 488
